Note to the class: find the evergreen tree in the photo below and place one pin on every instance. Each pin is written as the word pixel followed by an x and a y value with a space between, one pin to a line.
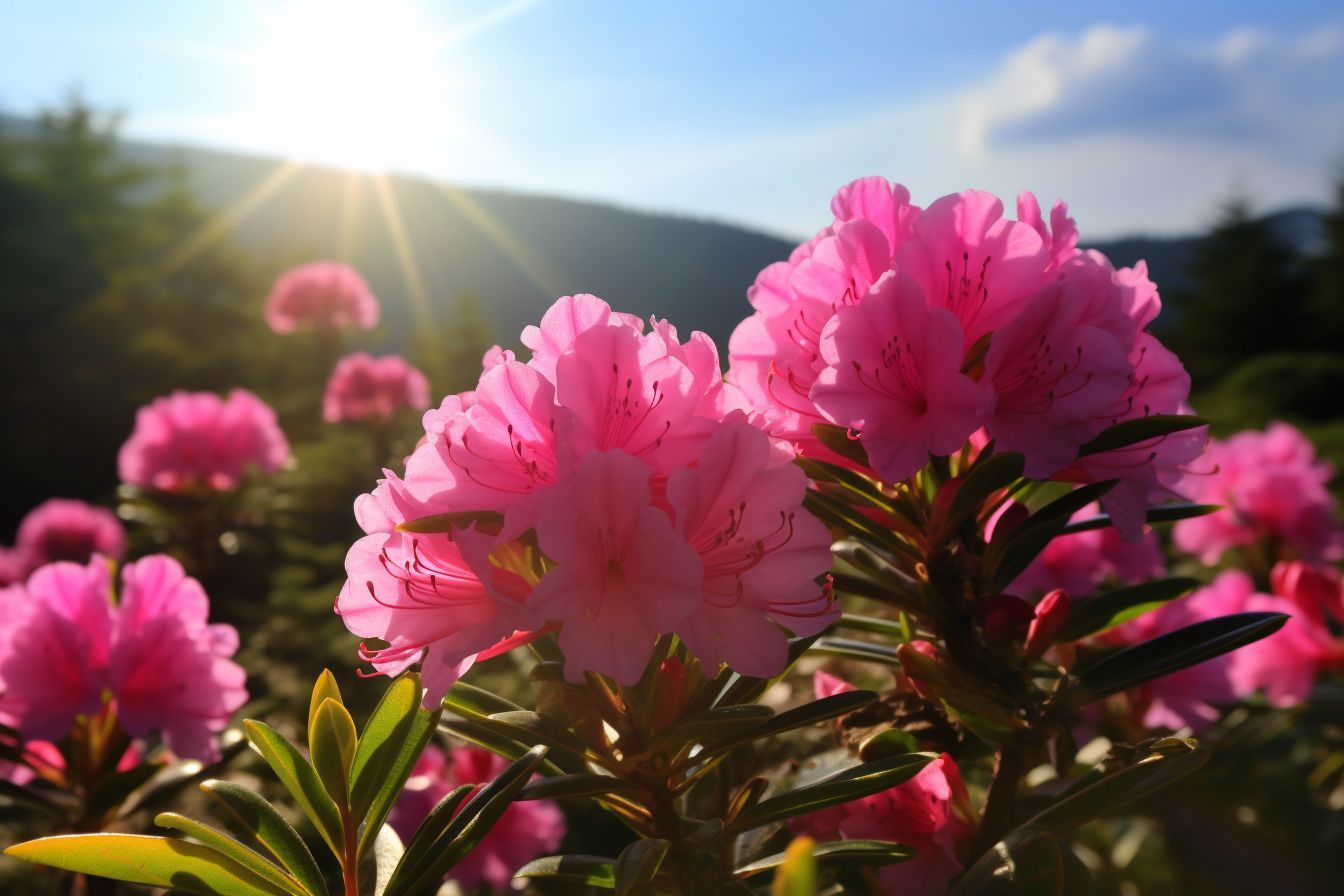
pixel 1327 269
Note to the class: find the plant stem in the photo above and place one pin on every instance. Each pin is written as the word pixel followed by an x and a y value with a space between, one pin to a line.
pixel 1002 793
pixel 350 860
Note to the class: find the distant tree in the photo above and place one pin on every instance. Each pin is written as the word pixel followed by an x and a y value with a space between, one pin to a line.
pixel 1248 297
pixel 450 356
pixel 1327 271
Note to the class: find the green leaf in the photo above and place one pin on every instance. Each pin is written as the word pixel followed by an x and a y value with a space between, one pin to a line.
pixel 1164 513
pixel 845 518
pixel 837 439
pixel 422 867
pixel 393 779
pixel 592 871
pixel 892 742
pixel 152 861
pixel 1176 650
pixel 270 829
pixel 1119 790
pixel 797 875
pixel 381 742
pixel 226 845
pixel 471 702
pixel 849 784
pixel 331 744
pixel 566 787
pixel 1028 862
pixel 528 727
pixel 853 488
pixel 448 522
pixel 507 747
pixel 19 794
pixel 850 649
pixel 299 779
pixel 721 721
pixel 1140 429
pixel 1105 611
pixel 871 624
pixel 638 864
pixel 420 850
pixel 841 852
pixel 798 717
pixel 325 688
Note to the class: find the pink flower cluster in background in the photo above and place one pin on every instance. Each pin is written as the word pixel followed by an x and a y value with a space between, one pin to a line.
pixel 526 830
pixel 1273 490
pixel 61 529
pixel 190 440
pixel 622 456
pixel 363 387
pixel 920 327
pixel 324 295
pixel 1080 561
pixel 64 645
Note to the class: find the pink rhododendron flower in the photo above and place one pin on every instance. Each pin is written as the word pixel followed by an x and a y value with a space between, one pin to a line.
pixel 622 575
pixel 526 830
pixel 423 594
pixel 1052 337
pixel 13 566
pixel 66 529
pixel 894 373
pixel 165 667
pixel 324 294
pixel 930 812
pixel 741 509
pixel 363 387
pixel 625 459
pixel 198 440
pixel 1273 488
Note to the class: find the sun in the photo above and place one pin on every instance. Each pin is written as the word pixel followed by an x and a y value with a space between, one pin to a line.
pixel 356 84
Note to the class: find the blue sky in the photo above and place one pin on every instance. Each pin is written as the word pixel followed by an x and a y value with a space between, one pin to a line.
pixel 1143 117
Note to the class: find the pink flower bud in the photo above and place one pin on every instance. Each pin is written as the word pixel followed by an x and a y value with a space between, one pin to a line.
pixel 1005 617
pixel 1050 617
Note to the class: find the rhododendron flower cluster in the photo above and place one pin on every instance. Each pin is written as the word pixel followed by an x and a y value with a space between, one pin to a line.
pixel 618 456
pixel 323 294
pixel 525 830
pixel 65 645
pixel 363 387
pixel 61 529
pixel 918 328
pixel 1273 491
pixel 196 440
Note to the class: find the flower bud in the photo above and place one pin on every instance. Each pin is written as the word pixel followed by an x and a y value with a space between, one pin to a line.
pixel 1051 614
pixel 1006 617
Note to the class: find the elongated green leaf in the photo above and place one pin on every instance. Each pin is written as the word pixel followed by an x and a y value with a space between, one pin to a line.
pixel 299 779
pixel 420 848
pixel 592 871
pixel 270 830
pixel 507 747
pixel 892 742
pixel 447 522
pixel 325 688
pixel 153 861
pixel 567 787
pixel 638 864
pixel 798 717
pixel 852 522
pixel 226 845
pixel 381 741
pixel 1105 611
pixel 837 438
pixel 419 869
pixel 331 744
pixel 471 702
pixel 847 648
pixel 716 723
pixel 528 727
pixel 1140 429
pixel 872 624
pixel 19 794
pixel 1165 513
pixel 1176 650
pixel 844 852
pixel 1120 790
pixel 393 779
pixel 1028 862
pixel 855 488
pixel 850 784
